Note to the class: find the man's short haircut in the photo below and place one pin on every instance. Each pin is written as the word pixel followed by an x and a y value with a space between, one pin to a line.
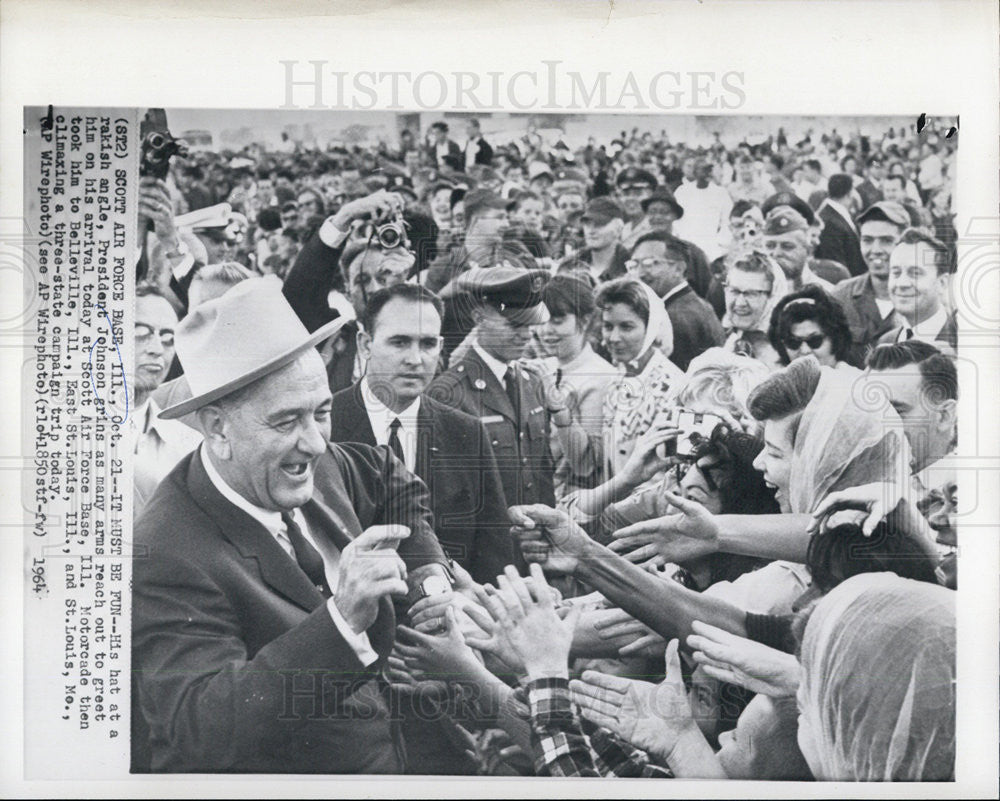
pixel 674 250
pixel 439 126
pixel 473 122
pixel 813 164
pixel 269 219
pixel 523 197
pixel 777 161
pixel 839 186
pixel 939 376
pixel 567 294
pixel 943 261
pixel 412 293
pixel 290 205
pixel 786 392
pixel 627 291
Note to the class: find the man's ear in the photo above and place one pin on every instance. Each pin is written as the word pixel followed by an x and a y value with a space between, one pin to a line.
pixel 214 425
pixel 946 415
pixel 364 341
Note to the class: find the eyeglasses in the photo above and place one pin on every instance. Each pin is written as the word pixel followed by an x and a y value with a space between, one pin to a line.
pixel 747 294
pixel 814 341
pixel 143 333
pixel 681 469
pixel 650 261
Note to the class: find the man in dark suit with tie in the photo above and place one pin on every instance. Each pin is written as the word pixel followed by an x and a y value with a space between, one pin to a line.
pixel 839 239
pixel 477 149
pixel 266 561
pixel 489 382
pixel 400 343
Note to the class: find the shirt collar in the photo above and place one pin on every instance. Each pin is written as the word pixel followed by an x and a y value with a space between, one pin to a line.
pixel 267 518
pixel 378 411
pixel 932 326
pixel 841 210
pixel 497 367
pixel 675 291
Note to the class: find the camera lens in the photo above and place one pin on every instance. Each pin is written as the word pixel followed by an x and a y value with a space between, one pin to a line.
pixel 388 237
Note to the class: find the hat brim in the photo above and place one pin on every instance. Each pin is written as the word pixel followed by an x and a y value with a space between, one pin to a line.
pixel 527 315
pixel 196 402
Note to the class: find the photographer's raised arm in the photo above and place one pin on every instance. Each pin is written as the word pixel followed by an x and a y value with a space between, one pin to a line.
pixel 550 538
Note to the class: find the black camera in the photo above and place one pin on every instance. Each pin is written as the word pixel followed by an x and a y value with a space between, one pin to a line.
pixel 389 231
pixel 158 145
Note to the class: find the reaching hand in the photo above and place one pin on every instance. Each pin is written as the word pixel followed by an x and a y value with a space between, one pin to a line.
pixel 528 619
pixel 156 206
pixel 375 206
pixel 737 660
pixel 644 462
pixel 652 717
pixel 877 500
pixel 444 656
pixel 689 534
pixel 548 537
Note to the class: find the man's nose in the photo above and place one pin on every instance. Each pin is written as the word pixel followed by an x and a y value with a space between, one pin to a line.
pixel 314 437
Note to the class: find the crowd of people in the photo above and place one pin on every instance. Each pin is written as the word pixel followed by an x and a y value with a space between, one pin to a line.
pixel 504 458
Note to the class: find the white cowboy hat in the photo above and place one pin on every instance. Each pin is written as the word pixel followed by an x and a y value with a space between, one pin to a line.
pixel 247 333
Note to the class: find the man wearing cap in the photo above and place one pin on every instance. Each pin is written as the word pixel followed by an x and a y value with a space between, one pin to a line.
pixel 659 262
pixel 485 222
pixel 316 287
pixel 786 238
pixel 839 238
pixel 633 185
pixel 487 382
pixel 266 560
pixel 603 220
pixel 865 298
pixel 477 149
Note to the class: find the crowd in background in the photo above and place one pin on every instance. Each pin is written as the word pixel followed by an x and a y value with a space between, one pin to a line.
pixel 712 396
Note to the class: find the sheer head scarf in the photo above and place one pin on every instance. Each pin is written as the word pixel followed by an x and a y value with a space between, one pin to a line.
pixel 877 697
pixel 844 441
pixel 658 327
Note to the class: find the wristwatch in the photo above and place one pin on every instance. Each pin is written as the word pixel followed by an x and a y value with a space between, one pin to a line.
pixel 432 585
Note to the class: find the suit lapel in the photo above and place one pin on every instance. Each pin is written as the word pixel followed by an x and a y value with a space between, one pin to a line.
pixel 429 431
pixel 252 541
pixel 351 422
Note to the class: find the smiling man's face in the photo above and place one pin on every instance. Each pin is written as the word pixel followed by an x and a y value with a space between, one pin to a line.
pixel 274 433
pixel 155 322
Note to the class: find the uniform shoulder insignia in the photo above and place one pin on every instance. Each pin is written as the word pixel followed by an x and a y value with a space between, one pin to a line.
pixel 460 368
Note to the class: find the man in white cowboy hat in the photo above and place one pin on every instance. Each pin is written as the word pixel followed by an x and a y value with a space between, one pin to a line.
pixel 266 561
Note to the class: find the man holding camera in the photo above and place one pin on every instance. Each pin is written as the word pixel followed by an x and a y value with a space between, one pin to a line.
pixel 356 252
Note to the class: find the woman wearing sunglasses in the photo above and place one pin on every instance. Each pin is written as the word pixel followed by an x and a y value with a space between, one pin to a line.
pixel 811 323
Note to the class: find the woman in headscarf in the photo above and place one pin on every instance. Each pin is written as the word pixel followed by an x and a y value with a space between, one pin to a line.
pixel 754 285
pixel 633 323
pixel 877 695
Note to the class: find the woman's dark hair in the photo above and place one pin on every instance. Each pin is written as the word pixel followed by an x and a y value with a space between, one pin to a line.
pixel 836 554
pixel 741 488
pixel 567 294
pixel 627 291
pixel 810 303
pixel 318 197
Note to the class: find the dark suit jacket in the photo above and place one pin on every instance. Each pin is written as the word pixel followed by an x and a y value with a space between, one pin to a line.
pixel 455 460
pixel 484 155
pixel 237 663
pixel 520 442
pixel 307 287
pixel 696 328
pixel 857 298
pixel 453 150
pixel 839 242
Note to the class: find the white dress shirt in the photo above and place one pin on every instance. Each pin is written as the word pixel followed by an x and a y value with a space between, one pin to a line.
pixel 381 417
pixel 331 556
pixel 158 445
pixel 926 330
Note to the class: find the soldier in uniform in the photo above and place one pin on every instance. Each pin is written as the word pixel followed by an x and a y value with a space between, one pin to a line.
pixel 489 382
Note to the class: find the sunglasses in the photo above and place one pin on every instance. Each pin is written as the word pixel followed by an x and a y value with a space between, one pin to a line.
pixel 814 341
